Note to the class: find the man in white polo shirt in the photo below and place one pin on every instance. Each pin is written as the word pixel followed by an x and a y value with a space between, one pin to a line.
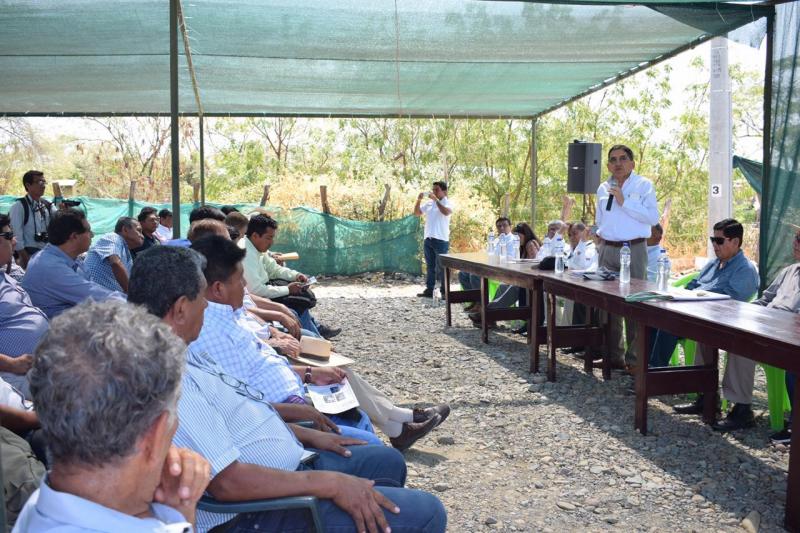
pixel 628 217
pixel 437 233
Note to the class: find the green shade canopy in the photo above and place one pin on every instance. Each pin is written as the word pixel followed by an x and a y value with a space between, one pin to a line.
pixel 336 58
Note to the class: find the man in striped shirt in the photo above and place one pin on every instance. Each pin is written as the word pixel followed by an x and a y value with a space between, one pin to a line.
pixel 253 453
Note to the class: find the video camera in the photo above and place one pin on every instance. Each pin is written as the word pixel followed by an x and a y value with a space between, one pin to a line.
pixel 66 202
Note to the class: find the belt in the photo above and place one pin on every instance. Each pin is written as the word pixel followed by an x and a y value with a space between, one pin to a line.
pixel 618 244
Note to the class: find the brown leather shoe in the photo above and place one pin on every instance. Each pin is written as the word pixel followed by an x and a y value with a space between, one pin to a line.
pixel 412 432
pixel 423 414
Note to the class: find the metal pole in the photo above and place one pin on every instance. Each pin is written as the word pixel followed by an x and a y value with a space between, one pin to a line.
pixel 534 171
pixel 766 179
pixel 202 163
pixel 174 125
pixel 720 138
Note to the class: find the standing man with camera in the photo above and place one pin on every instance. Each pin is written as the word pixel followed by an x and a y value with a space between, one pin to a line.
pixel 30 216
pixel 626 210
pixel 437 233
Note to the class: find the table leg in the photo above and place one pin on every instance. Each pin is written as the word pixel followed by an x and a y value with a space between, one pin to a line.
pixel 529 334
pixel 537 305
pixel 597 317
pixel 551 329
pixel 792 517
pixel 640 410
pixel 484 305
pixel 448 316
pixel 710 359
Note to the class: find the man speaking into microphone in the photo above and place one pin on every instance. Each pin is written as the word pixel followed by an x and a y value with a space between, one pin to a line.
pixel 626 209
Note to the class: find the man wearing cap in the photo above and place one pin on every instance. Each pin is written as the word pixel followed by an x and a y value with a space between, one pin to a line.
pixel 626 210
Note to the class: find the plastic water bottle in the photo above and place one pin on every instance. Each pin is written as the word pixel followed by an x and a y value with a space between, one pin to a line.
pixel 515 246
pixel 625 264
pixel 558 252
pixel 502 253
pixel 662 271
pixel 547 246
pixel 437 294
pixel 490 244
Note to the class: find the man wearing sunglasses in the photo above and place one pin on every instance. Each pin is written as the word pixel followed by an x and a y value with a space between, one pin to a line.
pixel 731 273
pixel 626 210
pixel 22 324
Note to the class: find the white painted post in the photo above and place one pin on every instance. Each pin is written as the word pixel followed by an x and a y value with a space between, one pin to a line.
pixel 720 139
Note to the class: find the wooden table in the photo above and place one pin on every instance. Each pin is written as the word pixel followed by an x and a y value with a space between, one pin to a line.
pixel 526 276
pixel 764 335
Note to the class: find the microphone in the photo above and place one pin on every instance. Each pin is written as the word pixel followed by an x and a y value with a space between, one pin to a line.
pixel 612 183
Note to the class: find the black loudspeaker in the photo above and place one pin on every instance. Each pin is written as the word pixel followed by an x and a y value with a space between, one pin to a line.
pixel 583 171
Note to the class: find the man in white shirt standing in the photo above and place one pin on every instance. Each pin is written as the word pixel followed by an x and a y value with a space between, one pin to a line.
pixel 437 233
pixel 626 209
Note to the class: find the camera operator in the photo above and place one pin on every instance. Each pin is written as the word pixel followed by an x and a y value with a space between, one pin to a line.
pixel 30 216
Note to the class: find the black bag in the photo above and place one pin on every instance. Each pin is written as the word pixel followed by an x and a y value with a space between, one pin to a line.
pixel 297 302
pixel 549 263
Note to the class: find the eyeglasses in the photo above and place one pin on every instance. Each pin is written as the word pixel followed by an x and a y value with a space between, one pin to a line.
pixel 719 240
pixel 241 387
pixel 7 235
pixel 621 159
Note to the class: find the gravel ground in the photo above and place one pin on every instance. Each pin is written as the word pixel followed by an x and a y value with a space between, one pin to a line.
pixel 517 455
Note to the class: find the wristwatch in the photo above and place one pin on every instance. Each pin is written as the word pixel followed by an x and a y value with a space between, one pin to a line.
pixel 307 376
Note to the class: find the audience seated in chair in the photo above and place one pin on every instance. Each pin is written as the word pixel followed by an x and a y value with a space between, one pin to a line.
pixel 55 279
pixel 253 453
pixel 109 260
pixel 22 324
pixel 106 380
pixel 148 220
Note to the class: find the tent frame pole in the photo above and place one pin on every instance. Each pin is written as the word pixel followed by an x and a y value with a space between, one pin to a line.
pixel 202 163
pixel 766 203
pixel 534 170
pixel 174 120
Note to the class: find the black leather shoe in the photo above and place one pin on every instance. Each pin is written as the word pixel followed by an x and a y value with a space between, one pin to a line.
pixel 412 432
pixel 423 414
pixel 427 293
pixel 740 417
pixel 327 332
pixel 694 408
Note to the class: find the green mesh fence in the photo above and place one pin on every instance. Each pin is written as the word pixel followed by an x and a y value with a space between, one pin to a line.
pixel 327 244
pixel 781 189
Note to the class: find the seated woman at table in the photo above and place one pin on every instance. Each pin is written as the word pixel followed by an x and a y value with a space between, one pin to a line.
pixel 507 295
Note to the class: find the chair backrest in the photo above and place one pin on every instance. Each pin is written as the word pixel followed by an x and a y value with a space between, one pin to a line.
pixel 684 281
pixel 209 504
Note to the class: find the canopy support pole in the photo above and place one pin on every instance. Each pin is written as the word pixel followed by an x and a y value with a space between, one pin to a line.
pixel 174 124
pixel 202 163
pixel 766 203
pixel 534 171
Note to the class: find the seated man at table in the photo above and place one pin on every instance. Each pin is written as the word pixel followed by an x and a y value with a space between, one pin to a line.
pixel 471 281
pixel 109 260
pixel 106 381
pixel 730 273
pixel 55 279
pixel 253 453
pixel 737 383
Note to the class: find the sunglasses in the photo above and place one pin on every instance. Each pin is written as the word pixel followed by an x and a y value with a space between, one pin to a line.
pixel 7 235
pixel 719 240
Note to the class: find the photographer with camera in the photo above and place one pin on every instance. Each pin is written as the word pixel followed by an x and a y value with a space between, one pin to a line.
pixel 30 216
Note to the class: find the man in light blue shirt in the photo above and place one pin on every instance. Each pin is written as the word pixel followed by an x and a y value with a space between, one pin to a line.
pixel 21 323
pixel 114 467
pixel 253 454
pixel 730 273
pixel 55 279
pixel 109 261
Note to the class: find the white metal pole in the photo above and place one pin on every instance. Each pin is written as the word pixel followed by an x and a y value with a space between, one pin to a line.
pixel 720 139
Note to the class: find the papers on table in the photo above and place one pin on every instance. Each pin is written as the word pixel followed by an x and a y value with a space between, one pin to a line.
pixel 676 294
pixel 334 398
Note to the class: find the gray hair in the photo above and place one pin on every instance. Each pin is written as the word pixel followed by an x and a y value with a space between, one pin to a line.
pixel 162 274
pixel 554 222
pixel 124 222
pixel 102 375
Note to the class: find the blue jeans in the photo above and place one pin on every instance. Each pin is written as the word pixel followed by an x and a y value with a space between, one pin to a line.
pixel 433 249
pixel 307 322
pixel 357 429
pixel 469 281
pixel 663 344
pixel 419 511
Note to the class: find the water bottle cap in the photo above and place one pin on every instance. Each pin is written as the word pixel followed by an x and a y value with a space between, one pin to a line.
pixel 663 250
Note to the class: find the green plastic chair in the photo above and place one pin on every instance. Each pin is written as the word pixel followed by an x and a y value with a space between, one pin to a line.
pixel 777 395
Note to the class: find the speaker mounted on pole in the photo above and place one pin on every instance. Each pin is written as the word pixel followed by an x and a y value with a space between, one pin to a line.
pixel 583 170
